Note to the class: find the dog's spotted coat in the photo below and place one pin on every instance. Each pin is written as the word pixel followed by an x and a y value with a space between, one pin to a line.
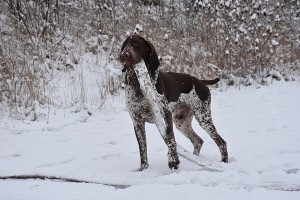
pixel 180 96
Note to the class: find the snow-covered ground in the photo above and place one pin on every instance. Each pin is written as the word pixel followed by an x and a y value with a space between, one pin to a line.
pixel 261 127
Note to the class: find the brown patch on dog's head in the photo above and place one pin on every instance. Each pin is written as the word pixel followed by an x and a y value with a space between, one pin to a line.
pixel 135 49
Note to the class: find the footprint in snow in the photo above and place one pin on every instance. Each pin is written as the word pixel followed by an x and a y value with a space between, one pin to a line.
pixel 292 171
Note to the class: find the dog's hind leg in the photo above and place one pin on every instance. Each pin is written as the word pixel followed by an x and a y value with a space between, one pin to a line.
pixel 140 133
pixel 183 117
pixel 203 116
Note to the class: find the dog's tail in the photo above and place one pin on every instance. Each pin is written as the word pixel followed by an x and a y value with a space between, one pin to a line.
pixel 210 82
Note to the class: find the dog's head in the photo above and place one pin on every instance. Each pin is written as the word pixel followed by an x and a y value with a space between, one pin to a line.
pixel 136 49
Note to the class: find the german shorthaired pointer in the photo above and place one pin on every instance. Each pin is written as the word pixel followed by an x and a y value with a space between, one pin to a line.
pixel 181 97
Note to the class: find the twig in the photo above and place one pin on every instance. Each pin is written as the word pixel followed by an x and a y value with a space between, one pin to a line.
pixel 62 179
pixel 9 129
pixel 206 165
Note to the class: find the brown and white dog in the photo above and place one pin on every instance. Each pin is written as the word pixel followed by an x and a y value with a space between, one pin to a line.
pixel 182 96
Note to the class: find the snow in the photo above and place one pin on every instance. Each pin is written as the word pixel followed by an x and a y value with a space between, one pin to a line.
pixel 166 37
pixel 138 29
pixel 274 42
pixel 253 17
pixel 261 127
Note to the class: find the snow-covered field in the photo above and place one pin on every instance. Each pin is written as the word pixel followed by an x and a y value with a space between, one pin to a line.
pixel 261 127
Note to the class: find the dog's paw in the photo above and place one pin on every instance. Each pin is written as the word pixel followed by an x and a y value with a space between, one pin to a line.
pixel 143 166
pixel 224 155
pixel 174 161
pixel 225 159
pixel 174 164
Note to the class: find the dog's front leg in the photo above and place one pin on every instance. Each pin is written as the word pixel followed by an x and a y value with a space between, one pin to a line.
pixel 140 133
pixel 170 141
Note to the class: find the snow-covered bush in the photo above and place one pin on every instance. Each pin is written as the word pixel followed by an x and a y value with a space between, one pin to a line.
pixel 55 53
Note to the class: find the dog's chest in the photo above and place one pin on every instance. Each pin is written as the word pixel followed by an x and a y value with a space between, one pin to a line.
pixel 137 105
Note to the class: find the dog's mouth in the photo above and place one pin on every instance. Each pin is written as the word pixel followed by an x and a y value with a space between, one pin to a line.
pixel 126 65
pixel 125 59
pixel 129 60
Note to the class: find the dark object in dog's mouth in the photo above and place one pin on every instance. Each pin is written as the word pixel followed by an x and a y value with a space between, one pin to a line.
pixel 126 65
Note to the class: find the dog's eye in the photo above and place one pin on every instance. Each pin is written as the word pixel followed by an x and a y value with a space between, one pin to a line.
pixel 135 44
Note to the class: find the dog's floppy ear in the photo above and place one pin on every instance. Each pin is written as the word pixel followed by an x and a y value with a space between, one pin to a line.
pixel 153 62
pixel 125 43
